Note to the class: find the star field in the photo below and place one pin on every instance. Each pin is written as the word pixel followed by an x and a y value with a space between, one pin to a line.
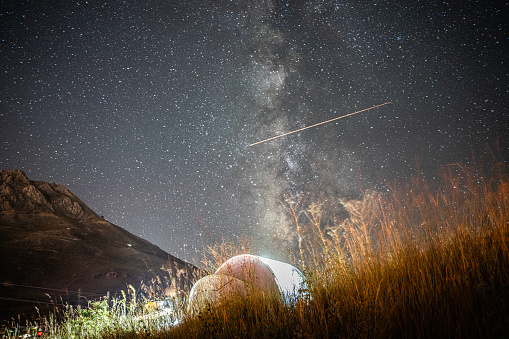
pixel 146 109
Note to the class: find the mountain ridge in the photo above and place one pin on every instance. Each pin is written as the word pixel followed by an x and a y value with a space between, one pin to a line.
pixel 18 193
pixel 53 240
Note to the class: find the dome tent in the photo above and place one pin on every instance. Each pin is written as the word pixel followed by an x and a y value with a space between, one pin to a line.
pixel 247 274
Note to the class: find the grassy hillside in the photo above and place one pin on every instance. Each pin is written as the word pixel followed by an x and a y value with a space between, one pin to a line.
pixel 415 261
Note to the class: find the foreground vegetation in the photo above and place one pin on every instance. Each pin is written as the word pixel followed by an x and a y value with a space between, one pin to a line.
pixel 415 261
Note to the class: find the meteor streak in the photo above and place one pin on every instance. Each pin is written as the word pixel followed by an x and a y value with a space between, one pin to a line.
pixel 320 123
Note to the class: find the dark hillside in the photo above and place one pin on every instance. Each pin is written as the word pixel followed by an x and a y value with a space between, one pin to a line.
pixel 51 241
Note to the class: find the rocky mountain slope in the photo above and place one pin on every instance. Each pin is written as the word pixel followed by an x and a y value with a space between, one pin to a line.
pixel 54 249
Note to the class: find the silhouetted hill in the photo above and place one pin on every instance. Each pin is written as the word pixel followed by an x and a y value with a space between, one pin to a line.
pixel 54 249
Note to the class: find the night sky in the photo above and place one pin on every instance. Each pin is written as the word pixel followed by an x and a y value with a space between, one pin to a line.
pixel 145 109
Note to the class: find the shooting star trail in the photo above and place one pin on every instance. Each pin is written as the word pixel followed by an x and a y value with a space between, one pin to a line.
pixel 320 123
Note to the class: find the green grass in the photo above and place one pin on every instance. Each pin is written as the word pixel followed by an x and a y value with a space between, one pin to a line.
pixel 415 261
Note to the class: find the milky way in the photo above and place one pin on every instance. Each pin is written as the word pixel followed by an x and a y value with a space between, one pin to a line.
pixel 145 109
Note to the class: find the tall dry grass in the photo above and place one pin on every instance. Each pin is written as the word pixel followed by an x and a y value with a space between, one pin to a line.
pixel 422 259
pixel 419 260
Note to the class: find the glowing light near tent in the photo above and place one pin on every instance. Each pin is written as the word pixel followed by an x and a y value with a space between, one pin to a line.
pixel 288 278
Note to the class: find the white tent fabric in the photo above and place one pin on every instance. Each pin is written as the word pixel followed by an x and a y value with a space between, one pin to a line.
pixel 251 270
pixel 288 278
pixel 213 290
